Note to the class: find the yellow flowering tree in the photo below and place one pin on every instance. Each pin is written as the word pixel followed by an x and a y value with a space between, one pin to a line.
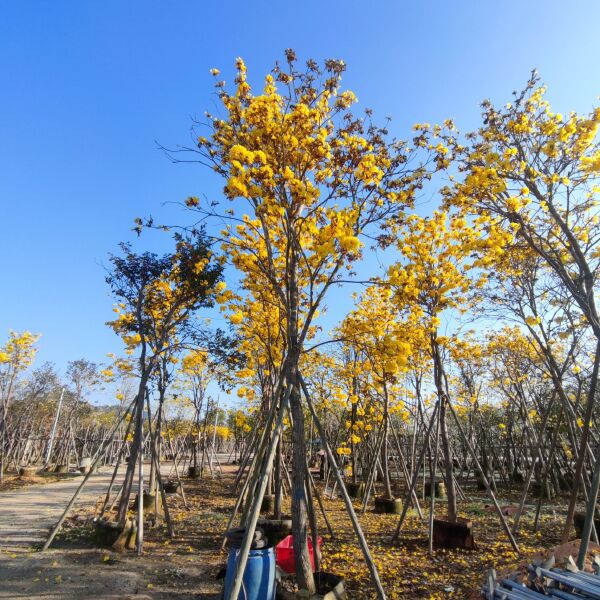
pixel 443 264
pixel 308 179
pixel 194 377
pixel 467 355
pixel 538 172
pixel 158 298
pixel 524 288
pixel 16 356
pixel 373 328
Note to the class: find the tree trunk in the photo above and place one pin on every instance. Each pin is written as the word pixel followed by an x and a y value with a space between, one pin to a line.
pixel 138 414
pixel 438 373
pixel 448 464
pixel 304 572
pixel 582 446
pixel 385 463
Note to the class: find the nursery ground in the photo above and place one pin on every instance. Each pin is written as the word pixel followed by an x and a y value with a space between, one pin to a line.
pixel 187 566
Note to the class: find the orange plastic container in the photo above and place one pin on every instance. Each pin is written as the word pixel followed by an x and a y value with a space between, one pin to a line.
pixel 284 553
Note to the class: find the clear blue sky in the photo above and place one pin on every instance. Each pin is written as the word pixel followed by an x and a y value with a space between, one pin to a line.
pixel 89 86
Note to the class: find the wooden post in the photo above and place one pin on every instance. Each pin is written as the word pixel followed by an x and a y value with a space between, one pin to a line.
pixel 590 514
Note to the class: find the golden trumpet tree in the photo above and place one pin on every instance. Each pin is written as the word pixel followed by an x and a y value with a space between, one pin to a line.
pixel 538 172
pixel 260 329
pixel 158 298
pixel 349 392
pixel 194 377
pixel 373 328
pixel 308 179
pixel 518 375
pixel 16 356
pixel 443 262
pixel 259 325
pixel 468 360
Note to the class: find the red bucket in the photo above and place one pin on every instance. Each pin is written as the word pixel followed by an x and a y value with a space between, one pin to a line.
pixel 284 553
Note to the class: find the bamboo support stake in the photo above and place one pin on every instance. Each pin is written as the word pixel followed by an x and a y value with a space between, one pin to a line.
pixel 505 526
pixel 312 517
pixel 432 484
pixel 175 455
pixel 242 557
pixel 246 484
pixel 416 473
pixel 538 450
pixel 257 460
pixel 170 530
pixel 155 459
pixel 321 505
pixel 82 484
pixel 372 471
pixel 249 451
pixel 415 499
pixel 590 514
pixel 347 501
pixel 114 475
pixel 583 444
pixel 140 528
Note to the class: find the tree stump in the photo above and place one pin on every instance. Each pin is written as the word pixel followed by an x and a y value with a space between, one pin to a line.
pixel 275 529
pixel 329 587
pixel 127 537
pixel 194 472
pixel 85 465
pixel 171 487
pixel 579 521
pixel 148 502
pixel 268 503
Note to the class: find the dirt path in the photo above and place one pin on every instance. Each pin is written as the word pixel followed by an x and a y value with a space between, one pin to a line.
pixel 79 570
pixel 27 514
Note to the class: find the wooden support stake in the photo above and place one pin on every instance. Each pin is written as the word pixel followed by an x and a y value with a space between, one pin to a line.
pixel 505 526
pixel 347 501
pixel 101 451
pixel 416 472
pixel 242 557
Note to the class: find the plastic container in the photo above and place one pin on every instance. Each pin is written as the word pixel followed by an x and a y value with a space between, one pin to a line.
pixel 258 582
pixel 285 553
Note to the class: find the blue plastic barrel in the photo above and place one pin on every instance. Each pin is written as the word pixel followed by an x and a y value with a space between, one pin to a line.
pixel 259 577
